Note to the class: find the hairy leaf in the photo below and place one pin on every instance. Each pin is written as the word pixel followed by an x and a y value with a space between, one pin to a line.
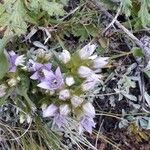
pixel 127 4
pixel 144 14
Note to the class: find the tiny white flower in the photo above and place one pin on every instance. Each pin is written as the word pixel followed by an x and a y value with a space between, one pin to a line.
pixel 65 56
pixel 50 111
pixel 87 51
pixel 88 109
pixel 100 62
pixel 84 71
pixel 64 109
pixel 20 60
pixel 76 101
pixel 70 81
pixel 64 94
pixel 2 90
pixel 12 82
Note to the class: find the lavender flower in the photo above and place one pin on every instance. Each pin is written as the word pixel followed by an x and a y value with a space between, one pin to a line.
pixel 86 124
pixel 60 118
pixel 91 82
pixel 65 56
pixel 87 51
pixel 64 94
pixel 39 74
pixel 31 66
pixel 50 111
pixel 11 56
pixel 76 101
pixel 52 81
pixel 100 62
pixel 84 71
pixel 89 110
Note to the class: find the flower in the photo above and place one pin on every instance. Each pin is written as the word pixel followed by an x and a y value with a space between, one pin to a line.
pixel 64 94
pixel 65 56
pixel 60 118
pixel 100 62
pixel 3 88
pixel 88 109
pixel 20 60
pixel 87 51
pixel 84 71
pixel 11 56
pixel 64 109
pixel 76 101
pixel 52 81
pixel 86 124
pixel 69 81
pixel 91 82
pixel 31 65
pixel 50 111
pixel 39 74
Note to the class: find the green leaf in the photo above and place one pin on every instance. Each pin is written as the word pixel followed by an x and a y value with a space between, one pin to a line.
pixel 80 31
pixel 4 19
pixel 143 13
pixel 17 21
pixel 3 59
pixel 2 9
pixel 147 73
pixel 137 52
pixel 127 4
pixel 52 8
pixel 3 65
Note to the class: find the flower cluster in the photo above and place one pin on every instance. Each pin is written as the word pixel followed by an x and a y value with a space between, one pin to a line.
pixel 65 85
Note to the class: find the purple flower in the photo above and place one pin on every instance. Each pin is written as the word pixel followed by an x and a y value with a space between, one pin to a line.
pixel 59 114
pixel 86 124
pixel 39 74
pixel 11 56
pixel 52 81
pixel 59 120
pixel 50 111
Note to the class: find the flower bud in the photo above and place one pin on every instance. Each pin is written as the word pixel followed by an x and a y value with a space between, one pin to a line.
pixel 84 71
pixel 65 56
pixel 64 94
pixel 64 109
pixel 88 109
pixel 12 82
pixel 87 51
pixel 88 85
pixel 70 81
pixel 76 101
pixel 100 62
pixel 2 90
pixel 50 111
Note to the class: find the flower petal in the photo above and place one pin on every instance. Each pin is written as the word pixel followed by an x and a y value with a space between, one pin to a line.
pixel 44 85
pixel 35 76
